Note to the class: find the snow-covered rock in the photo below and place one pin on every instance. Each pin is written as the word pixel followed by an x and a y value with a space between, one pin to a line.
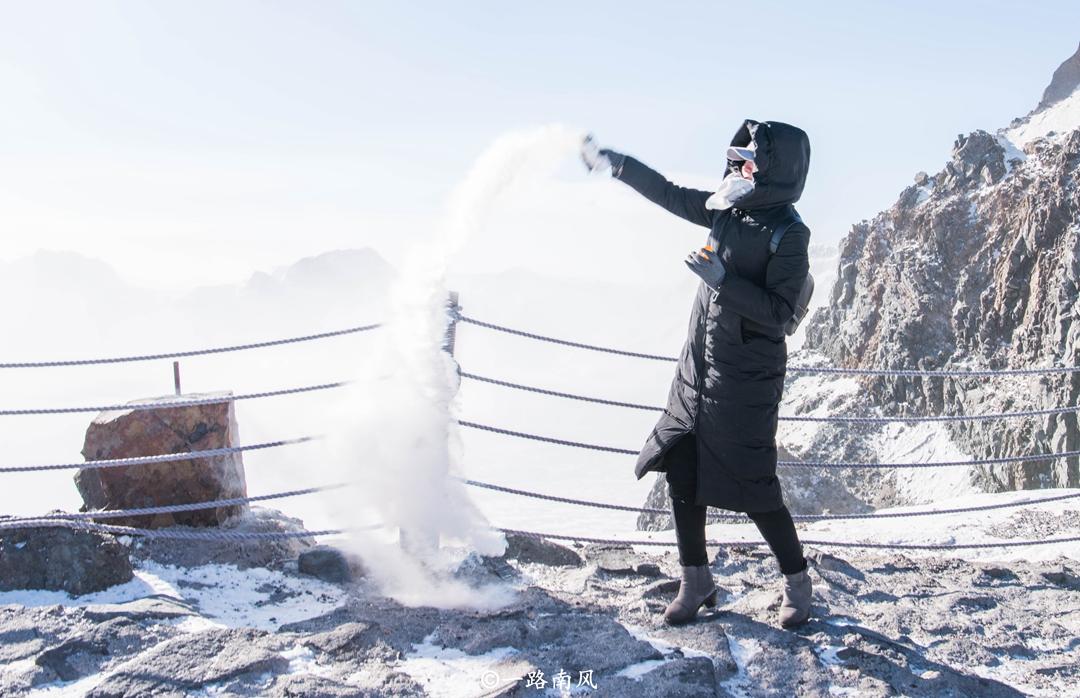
pixel 976 267
pixel 995 622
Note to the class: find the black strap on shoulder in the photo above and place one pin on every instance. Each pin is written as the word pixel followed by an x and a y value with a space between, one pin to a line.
pixel 782 227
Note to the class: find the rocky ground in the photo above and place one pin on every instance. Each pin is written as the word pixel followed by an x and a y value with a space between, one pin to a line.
pixel 195 623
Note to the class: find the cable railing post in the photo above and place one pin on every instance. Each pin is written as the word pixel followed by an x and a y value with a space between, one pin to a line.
pixel 423 541
pixel 453 315
pixel 176 376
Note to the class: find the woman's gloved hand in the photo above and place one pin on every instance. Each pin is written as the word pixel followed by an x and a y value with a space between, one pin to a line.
pixel 597 158
pixel 706 264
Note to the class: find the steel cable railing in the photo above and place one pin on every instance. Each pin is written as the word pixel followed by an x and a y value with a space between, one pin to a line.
pixel 791 418
pixel 164 458
pixel 87 519
pixel 242 536
pixel 174 508
pixel 192 352
pixel 927 373
pixel 798 517
pixel 171 402
pixel 783 463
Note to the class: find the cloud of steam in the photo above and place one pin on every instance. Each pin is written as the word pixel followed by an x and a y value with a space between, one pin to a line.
pixel 393 432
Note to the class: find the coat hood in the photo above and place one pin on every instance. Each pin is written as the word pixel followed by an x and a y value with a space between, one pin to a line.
pixel 783 159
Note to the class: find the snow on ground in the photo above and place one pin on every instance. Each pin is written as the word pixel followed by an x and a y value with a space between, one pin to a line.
pixel 66 689
pixel 226 597
pixel 925 442
pixel 223 594
pixel 450 673
pixel 743 650
pixel 143 585
pixel 1059 119
pixel 811 395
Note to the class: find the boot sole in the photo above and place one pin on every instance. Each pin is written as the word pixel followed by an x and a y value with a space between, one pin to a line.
pixel 795 623
pixel 709 602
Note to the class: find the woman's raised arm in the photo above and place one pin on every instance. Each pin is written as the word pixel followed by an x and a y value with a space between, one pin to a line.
pixel 682 201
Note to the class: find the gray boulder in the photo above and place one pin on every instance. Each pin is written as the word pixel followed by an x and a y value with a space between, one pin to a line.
pixel 528 549
pixel 244 553
pixel 61 559
pixel 329 564
pixel 195 661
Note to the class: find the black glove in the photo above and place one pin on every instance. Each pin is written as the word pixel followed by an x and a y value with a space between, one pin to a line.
pixel 706 264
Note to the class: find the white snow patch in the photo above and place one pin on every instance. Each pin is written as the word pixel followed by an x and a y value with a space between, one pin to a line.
pixel 144 584
pixel 962 528
pixel 824 391
pixel 302 661
pixel 670 651
pixel 743 650
pixel 637 671
pixel 1011 151
pixel 224 594
pixel 67 689
pixel 1060 119
pixel 450 673
pixel 925 192
pixel 661 645
pixel 243 598
pixel 925 442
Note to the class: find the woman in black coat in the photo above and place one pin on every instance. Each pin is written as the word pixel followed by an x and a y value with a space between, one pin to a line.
pixel 716 440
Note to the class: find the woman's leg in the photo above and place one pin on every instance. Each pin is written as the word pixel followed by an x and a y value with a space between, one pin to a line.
pixel 778 530
pixel 682 488
pixel 697 586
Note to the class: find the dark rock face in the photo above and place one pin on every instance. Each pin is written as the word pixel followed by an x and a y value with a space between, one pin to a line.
pixel 971 268
pixel 526 549
pixel 620 560
pixel 243 554
pixel 1065 81
pixel 162 430
pixel 61 559
pixel 326 563
pixel 186 663
pixel 73 659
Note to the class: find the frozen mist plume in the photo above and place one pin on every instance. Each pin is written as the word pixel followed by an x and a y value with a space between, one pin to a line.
pixel 392 432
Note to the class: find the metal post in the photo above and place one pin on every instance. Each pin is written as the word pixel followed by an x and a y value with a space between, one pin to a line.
pixel 453 310
pixel 176 376
pixel 420 543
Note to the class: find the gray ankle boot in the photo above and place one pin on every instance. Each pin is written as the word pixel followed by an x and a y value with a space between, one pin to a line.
pixel 695 589
pixel 795 608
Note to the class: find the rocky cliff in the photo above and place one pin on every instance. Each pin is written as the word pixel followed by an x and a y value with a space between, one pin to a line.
pixel 976 266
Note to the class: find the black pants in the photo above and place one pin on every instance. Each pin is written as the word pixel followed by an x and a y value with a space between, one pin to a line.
pixel 776 527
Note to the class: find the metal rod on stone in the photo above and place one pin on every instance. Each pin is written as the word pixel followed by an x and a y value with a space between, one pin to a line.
pixel 423 543
pixel 453 310
pixel 176 376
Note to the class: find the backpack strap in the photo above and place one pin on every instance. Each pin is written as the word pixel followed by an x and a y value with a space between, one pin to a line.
pixel 782 227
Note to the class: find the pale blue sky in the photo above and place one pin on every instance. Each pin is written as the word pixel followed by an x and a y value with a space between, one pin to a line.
pixel 260 131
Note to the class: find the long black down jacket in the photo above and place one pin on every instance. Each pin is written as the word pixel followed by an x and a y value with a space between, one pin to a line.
pixel 730 377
